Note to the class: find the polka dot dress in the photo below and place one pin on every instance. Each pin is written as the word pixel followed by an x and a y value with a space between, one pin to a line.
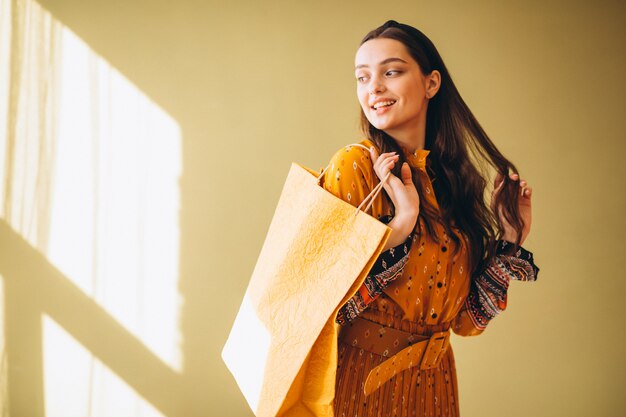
pixel 427 297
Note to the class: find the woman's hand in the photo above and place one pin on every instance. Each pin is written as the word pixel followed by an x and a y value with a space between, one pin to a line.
pixel 524 205
pixel 402 192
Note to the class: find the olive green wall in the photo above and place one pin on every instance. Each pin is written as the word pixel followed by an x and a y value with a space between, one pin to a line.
pixel 256 85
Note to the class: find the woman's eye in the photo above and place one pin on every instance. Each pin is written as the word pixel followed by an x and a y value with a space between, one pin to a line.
pixel 360 79
pixel 394 71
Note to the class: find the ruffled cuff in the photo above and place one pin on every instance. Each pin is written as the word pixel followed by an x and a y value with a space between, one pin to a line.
pixel 488 291
pixel 522 266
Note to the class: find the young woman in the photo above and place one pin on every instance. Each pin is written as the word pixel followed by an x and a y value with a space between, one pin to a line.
pixel 450 257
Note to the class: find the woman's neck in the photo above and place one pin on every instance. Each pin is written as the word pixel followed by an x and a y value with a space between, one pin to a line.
pixel 410 136
pixel 408 144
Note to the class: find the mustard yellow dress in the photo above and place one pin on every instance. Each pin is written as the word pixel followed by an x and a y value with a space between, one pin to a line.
pixel 428 296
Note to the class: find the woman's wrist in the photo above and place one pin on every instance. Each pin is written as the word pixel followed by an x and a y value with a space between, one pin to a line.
pixel 402 225
pixel 405 222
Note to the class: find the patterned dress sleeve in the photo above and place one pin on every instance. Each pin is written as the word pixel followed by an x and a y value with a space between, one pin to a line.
pixel 387 268
pixel 350 177
pixel 488 290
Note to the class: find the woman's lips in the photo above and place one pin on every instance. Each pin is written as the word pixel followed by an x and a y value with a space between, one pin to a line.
pixel 383 109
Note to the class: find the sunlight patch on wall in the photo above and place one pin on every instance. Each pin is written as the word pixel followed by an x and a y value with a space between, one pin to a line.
pixel 77 385
pixel 114 207
pixel 89 177
pixel 5 43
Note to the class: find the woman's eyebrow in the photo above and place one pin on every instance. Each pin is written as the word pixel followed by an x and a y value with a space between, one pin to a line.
pixel 383 62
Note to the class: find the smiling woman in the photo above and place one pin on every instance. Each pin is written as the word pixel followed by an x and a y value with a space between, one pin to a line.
pixel 450 257
pixel 387 77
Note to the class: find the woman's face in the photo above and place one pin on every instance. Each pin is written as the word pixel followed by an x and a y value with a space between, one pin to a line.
pixel 390 86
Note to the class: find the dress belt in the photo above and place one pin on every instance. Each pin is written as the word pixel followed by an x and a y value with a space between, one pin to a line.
pixel 404 349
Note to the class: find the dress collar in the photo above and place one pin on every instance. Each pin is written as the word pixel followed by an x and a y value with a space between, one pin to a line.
pixel 418 158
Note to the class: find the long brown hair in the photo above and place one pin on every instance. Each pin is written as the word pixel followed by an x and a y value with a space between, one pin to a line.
pixel 454 137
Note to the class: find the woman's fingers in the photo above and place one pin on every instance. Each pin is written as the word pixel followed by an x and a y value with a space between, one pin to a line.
pixel 525 189
pixel 498 180
pixel 405 172
pixel 527 192
pixel 498 187
pixel 373 154
pixel 386 161
pixel 383 164
pixel 390 162
pixel 401 191
pixel 524 204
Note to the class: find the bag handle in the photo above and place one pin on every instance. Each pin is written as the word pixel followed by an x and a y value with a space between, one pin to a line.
pixel 373 194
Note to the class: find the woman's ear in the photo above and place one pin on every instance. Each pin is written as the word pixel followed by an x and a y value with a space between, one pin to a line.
pixel 433 82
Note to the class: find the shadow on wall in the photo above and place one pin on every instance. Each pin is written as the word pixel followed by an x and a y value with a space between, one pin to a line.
pixel 33 287
pixel 89 232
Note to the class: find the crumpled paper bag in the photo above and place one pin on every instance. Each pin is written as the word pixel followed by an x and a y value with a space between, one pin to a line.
pixel 282 348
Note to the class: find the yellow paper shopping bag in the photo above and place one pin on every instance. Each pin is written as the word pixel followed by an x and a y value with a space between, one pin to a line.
pixel 282 348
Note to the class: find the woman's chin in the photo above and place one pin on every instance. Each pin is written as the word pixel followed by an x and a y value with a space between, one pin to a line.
pixel 382 125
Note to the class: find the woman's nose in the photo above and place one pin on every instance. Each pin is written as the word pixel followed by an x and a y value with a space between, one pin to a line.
pixel 376 87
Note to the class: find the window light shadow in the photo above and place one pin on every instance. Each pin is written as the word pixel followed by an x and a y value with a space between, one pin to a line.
pixel 89 230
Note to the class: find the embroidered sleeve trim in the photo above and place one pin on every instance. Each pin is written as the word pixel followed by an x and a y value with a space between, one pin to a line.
pixel 386 269
pixel 488 290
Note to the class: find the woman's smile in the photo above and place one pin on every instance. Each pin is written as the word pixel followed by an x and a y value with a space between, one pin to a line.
pixel 383 108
